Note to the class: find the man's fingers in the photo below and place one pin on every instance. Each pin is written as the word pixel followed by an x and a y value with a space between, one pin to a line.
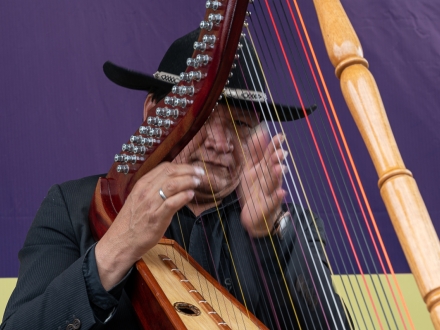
pixel 258 144
pixel 262 216
pixel 275 143
pixel 265 182
pixel 165 181
pixel 262 147
pixel 268 173
pixel 179 184
pixel 273 179
pixel 172 170
pixel 175 202
pixel 278 156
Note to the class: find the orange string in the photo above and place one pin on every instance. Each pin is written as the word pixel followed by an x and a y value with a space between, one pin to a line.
pixel 323 164
pixel 353 166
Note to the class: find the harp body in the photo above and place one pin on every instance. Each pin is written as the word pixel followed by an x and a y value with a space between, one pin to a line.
pixel 160 272
pixel 397 186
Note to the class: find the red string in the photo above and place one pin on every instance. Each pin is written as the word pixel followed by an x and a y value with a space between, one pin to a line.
pixel 322 162
pixel 352 165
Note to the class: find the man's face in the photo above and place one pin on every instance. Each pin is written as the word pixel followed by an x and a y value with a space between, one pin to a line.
pixel 219 148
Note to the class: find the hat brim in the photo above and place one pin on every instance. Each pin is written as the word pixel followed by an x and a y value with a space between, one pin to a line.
pixel 140 81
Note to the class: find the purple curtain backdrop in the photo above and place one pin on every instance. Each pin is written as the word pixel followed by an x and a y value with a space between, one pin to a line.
pixel 62 119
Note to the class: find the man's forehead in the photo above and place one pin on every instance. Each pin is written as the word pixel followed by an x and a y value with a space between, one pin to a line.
pixel 248 113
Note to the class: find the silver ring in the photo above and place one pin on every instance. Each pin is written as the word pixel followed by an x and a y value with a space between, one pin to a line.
pixel 162 195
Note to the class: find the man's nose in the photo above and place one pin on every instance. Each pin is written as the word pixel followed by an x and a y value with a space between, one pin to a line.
pixel 218 136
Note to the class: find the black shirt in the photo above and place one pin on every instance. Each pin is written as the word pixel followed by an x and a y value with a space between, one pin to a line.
pixel 202 237
pixel 216 234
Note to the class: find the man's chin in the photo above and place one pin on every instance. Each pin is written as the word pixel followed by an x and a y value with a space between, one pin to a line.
pixel 216 195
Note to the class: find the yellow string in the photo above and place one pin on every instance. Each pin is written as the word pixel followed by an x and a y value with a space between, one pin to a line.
pixel 224 234
pixel 288 147
pixel 293 162
pixel 379 237
pixel 265 220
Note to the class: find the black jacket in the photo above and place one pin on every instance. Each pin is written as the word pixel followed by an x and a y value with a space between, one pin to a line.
pixel 51 292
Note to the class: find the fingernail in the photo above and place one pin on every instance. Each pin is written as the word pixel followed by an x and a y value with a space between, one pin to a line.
pixel 282 138
pixel 285 154
pixel 199 170
pixel 196 181
pixel 284 168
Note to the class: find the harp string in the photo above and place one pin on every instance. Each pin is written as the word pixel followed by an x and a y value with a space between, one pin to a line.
pixel 277 261
pixel 362 192
pixel 238 265
pixel 210 255
pixel 321 284
pixel 245 109
pixel 265 285
pixel 368 207
pixel 347 150
pixel 265 280
pixel 328 284
pixel 359 182
pixel 231 256
pixel 345 206
pixel 312 196
pixel 262 32
pixel 256 255
pixel 344 161
pixel 375 289
pixel 200 278
pixel 302 248
pixel 235 264
pixel 321 159
pixel 292 159
pixel 264 215
pixel 225 235
pixel 344 223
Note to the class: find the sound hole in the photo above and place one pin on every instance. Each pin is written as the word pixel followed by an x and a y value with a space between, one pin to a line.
pixel 187 309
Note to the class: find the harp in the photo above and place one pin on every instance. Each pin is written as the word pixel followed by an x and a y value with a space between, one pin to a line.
pixel 395 182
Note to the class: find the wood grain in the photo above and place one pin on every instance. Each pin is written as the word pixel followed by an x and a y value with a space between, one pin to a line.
pixel 156 275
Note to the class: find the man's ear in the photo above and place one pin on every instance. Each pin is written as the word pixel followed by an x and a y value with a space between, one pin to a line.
pixel 148 104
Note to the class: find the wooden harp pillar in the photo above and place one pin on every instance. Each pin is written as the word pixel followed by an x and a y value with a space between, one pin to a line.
pixel 398 188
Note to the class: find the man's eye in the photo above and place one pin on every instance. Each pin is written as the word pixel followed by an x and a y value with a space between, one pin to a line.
pixel 242 124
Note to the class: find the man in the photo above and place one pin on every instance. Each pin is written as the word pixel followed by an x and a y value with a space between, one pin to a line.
pixel 231 171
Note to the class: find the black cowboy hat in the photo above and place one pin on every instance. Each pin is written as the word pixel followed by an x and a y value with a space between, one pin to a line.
pixel 238 89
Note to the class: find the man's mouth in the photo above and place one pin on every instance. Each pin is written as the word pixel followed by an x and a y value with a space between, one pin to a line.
pixel 213 161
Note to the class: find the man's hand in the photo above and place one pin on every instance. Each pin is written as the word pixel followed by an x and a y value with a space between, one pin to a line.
pixel 260 188
pixel 144 218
